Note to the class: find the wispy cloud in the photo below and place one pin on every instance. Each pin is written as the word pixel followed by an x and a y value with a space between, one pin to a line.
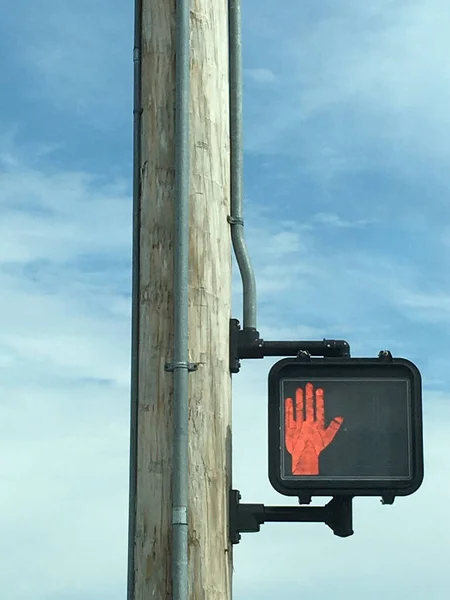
pixel 355 85
pixel 64 361
pixel 260 76
pixel 334 220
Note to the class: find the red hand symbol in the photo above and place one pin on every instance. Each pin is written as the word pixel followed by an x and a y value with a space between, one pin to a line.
pixel 306 435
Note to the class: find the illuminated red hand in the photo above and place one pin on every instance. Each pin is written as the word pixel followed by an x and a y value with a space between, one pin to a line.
pixel 306 435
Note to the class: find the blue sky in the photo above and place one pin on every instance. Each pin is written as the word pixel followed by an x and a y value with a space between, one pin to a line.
pixel 347 181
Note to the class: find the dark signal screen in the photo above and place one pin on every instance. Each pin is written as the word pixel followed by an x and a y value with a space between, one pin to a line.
pixel 345 428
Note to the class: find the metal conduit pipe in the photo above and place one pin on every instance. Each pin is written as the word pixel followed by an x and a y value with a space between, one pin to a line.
pixel 137 112
pixel 180 476
pixel 236 219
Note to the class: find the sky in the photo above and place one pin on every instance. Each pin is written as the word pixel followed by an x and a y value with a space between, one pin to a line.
pixel 347 179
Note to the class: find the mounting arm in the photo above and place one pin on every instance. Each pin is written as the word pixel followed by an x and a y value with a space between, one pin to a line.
pixel 247 518
pixel 246 343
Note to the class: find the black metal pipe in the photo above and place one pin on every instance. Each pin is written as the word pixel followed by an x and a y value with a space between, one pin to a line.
pixel 303 514
pixel 328 348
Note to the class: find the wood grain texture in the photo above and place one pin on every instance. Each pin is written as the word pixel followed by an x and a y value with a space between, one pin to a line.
pixel 209 304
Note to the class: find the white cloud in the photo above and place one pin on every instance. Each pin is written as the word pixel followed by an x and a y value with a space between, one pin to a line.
pixel 61 215
pixel 296 276
pixel 64 502
pixel 358 85
pixel 260 75
pixel 64 362
pixel 333 220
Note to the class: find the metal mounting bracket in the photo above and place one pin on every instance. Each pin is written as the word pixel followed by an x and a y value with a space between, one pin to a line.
pixel 171 366
pixel 247 343
pixel 248 518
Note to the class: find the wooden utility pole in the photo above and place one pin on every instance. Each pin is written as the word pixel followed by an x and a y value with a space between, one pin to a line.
pixel 210 560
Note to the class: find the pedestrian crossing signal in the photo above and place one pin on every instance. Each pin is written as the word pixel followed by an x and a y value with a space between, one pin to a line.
pixel 345 427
